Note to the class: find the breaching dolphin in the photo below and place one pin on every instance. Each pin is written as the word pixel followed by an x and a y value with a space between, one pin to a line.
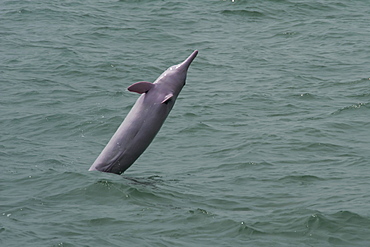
pixel 144 120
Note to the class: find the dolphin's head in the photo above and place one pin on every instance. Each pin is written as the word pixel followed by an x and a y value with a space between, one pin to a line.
pixel 175 76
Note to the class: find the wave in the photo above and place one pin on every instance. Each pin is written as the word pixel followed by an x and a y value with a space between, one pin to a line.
pixel 243 12
pixel 300 178
pixel 363 106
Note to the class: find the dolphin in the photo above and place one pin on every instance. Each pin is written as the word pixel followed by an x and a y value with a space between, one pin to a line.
pixel 144 120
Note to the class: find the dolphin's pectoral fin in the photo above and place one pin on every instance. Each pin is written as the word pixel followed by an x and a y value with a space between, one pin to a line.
pixel 167 98
pixel 140 87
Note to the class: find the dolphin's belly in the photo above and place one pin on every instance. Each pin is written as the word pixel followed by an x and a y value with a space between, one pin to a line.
pixel 132 137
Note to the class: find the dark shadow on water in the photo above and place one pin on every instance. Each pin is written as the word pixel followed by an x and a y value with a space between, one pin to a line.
pixel 149 181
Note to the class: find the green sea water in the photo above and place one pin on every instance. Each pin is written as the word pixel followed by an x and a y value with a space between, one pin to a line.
pixel 268 143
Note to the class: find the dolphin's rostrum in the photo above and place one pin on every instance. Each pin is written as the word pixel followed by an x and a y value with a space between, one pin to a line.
pixel 144 120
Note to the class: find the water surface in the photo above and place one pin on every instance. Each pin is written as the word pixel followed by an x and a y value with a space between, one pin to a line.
pixel 267 145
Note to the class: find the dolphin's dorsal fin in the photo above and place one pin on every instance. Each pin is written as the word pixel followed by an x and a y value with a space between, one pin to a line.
pixel 140 87
pixel 167 98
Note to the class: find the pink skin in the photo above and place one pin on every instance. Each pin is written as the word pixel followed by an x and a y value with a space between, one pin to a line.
pixel 144 120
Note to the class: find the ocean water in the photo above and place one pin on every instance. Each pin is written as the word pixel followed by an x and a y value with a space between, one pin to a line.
pixel 268 143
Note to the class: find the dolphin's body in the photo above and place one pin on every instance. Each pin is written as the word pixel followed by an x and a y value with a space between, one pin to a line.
pixel 144 120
